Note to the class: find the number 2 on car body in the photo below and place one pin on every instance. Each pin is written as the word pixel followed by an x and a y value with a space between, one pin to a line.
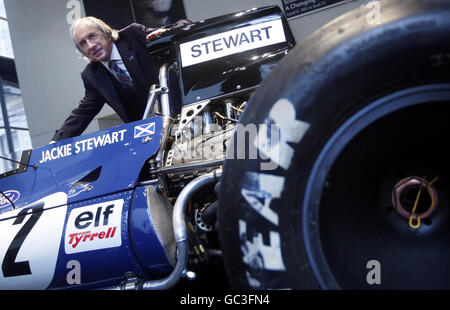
pixel 30 243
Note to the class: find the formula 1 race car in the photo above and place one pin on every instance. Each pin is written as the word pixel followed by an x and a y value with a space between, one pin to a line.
pixel 319 166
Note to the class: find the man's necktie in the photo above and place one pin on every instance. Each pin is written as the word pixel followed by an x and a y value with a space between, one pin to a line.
pixel 120 74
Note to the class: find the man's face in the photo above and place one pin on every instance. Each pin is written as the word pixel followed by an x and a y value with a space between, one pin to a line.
pixel 92 42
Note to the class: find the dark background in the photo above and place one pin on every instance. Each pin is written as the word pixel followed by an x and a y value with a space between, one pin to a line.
pixel 151 13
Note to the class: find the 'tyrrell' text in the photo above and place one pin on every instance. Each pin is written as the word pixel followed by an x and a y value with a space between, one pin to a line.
pixel 87 236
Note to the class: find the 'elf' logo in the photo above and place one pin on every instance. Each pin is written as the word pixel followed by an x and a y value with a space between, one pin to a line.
pixel 94 227
pixel 86 219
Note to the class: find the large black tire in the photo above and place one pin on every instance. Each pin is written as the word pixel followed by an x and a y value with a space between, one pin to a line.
pixel 360 107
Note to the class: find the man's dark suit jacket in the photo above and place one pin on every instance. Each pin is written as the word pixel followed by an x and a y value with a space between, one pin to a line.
pixel 101 86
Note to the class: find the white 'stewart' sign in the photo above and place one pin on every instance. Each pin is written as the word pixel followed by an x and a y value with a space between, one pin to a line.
pixel 232 42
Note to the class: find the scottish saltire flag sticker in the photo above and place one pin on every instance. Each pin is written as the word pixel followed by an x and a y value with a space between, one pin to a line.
pixel 144 130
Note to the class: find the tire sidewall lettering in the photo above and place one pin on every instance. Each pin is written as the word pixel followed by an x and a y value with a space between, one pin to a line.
pixel 261 250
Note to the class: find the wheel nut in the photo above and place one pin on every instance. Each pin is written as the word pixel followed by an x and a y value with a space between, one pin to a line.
pixel 403 204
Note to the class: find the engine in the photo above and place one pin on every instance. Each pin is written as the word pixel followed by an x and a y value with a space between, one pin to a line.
pixel 209 71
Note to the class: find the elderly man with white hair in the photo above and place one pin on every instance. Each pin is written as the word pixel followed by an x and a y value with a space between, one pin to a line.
pixel 120 72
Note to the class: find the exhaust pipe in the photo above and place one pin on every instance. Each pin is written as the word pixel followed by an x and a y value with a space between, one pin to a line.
pixel 180 234
pixel 180 231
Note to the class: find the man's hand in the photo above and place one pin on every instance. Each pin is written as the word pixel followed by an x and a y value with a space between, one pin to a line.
pixel 155 33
